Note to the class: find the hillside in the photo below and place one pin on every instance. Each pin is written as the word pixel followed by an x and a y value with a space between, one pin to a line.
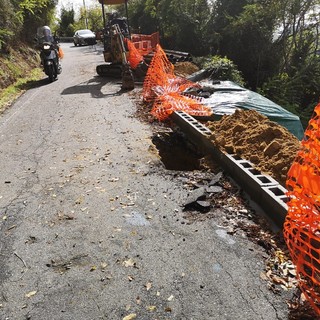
pixel 17 63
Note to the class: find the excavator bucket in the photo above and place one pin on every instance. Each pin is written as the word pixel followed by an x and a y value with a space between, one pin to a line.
pixel 127 78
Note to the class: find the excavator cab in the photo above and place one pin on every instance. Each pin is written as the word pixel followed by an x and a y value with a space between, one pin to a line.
pixel 115 51
pixel 115 29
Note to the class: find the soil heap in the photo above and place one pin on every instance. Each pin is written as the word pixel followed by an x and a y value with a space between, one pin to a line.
pixel 270 147
pixel 185 68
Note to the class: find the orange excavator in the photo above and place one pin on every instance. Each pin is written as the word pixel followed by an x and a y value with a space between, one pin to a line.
pixel 116 34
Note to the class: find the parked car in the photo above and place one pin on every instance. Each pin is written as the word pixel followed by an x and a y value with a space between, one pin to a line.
pixel 84 37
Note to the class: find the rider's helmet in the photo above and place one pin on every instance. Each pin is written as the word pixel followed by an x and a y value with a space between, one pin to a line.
pixel 44 34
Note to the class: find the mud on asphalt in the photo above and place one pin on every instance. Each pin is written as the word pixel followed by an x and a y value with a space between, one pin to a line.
pixel 218 197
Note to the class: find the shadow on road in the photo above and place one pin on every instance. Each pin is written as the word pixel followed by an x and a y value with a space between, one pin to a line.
pixel 95 87
pixel 34 84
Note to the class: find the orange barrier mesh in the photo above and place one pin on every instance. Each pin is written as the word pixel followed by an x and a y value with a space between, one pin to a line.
pixel 160 72
pixel 134 57
pixel 145 43
pixel 169 102
pixel 302 224
pixel 165 90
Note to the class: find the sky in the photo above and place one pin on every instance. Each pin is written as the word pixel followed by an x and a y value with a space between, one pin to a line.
pixel 76 4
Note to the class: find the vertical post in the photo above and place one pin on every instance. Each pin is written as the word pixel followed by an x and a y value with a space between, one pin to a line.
pixel 104 30
pixel 85 14
pixel 103 15
pixel 126 6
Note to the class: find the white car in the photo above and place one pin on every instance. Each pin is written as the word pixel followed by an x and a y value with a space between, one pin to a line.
pixel 84 37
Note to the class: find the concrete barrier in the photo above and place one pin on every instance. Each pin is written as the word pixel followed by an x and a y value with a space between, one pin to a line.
pixel 262 188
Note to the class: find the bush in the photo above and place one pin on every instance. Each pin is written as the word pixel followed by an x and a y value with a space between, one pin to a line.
pixel 221 69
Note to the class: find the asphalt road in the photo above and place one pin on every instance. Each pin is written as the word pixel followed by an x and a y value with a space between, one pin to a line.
pixel 93 228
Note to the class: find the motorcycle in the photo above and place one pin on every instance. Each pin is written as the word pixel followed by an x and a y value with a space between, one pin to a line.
pixel 49 52
pixel 50 60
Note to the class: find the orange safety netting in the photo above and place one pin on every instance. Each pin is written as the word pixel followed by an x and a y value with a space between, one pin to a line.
pixel 145 43
pixel 302 224
pixel 135 57
pixel 165 90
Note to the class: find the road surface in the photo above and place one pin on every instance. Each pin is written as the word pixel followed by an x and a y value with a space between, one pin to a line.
pixel 91 225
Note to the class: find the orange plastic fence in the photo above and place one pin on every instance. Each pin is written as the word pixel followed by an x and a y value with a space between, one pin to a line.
pixel 167 103
pixel 134 55
pixel 145 43
pixel 302 224
pixel 165 90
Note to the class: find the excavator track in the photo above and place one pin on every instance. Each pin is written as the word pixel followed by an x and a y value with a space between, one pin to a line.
pixel 109 70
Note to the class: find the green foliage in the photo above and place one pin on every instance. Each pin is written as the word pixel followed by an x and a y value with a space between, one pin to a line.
pixel 273 43
pixel 246 37
pixel 90 18
pixel 12 92
pixel 222 68
pixel 94 18
pixel 19 19
pixel 65 27
pixel 143 16
pixel 182 23
pixel 9 23
pixel 298 92
pixel 283 90
pixel 3 35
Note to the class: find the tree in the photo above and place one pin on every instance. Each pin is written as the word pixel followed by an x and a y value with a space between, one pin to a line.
pixel 298 25
pixel 19 19
pixel 296 85
pixel 94 16
pixel 65 28
pixel 35 14
pixel 91 18
pixel 246 37
pixel 144 16
pixel 182 23
pixel 8 23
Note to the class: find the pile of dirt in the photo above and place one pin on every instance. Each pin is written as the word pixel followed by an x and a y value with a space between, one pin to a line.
pixel 183 69
pixel 270 147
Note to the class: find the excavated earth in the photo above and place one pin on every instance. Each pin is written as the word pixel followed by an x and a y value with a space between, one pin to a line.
pixel 252 136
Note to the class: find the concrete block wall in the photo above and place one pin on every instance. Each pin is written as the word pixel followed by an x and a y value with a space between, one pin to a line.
pixel 262 188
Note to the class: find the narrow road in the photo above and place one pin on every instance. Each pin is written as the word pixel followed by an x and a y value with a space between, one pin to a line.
pixel 92 227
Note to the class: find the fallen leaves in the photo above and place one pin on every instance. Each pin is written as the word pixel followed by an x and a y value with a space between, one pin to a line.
pixel 148 286
pixel 129 263
pixel 130 316
pixel 151 308
pixel 170 298
pixel 103 266
pixel 280 271
pixel 130 278
pixel 93 268
pixel 31 294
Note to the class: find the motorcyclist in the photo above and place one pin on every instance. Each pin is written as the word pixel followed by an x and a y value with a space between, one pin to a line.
pixel 44 35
